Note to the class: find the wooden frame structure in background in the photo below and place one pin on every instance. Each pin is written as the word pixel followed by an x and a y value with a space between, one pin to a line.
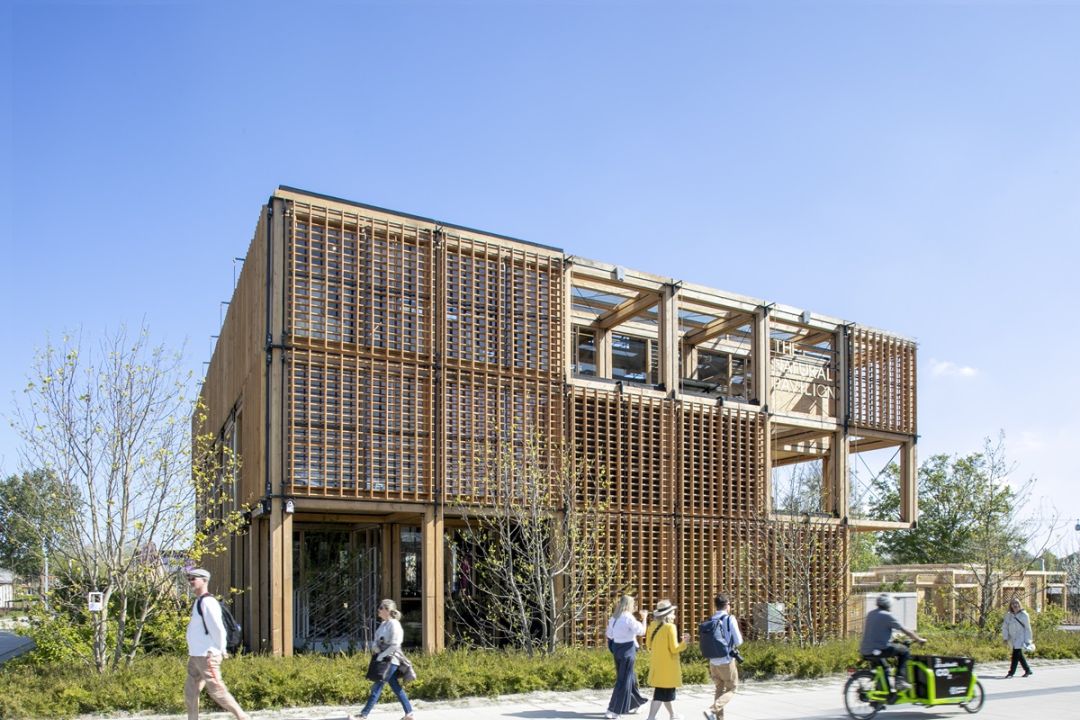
pixel 369 357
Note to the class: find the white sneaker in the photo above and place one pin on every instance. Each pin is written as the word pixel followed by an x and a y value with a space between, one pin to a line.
pixel 611 716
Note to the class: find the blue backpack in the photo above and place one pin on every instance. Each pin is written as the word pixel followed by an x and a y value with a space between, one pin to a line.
pixel 711 647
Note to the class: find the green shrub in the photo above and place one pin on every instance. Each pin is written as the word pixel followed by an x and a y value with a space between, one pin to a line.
pixel 30 689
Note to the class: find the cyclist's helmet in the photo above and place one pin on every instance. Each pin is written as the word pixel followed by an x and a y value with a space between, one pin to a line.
pixel 884 601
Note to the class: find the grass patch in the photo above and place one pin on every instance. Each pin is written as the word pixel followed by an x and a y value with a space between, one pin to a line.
pixel 155 684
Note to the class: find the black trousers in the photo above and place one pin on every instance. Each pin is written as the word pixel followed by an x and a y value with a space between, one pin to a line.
pixel 1018 657
pixel 901 653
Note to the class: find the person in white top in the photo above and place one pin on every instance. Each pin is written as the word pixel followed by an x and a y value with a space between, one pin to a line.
pixel 624 627
pixel 206 649
pixel 388 639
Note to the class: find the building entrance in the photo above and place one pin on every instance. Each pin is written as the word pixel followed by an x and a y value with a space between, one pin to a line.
pixel 335 587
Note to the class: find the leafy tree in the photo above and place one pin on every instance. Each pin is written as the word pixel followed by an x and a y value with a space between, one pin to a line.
pixel 112 425
pixel 947 509
pixel 30 505
pixel 971 512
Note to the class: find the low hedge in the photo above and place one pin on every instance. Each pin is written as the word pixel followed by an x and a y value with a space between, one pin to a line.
pixel 155 684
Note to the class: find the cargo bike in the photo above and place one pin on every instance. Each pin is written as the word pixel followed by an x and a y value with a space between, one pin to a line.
pixel 935 680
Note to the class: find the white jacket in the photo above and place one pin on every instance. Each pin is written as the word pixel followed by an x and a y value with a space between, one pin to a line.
pixel 388 639
pixel 1016 629
pixel 211 638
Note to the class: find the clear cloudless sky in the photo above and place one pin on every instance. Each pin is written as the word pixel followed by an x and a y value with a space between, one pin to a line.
pixel 913 166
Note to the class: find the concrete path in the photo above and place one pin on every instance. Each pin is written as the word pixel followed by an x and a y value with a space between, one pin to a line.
pixel 1053 692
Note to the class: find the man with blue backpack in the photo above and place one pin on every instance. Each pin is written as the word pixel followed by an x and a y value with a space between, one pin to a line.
pixel 720 639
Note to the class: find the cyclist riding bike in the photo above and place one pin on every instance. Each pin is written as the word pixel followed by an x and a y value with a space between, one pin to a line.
pixel 877 639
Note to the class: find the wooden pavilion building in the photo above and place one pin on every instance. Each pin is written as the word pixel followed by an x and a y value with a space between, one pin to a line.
pixel 366 353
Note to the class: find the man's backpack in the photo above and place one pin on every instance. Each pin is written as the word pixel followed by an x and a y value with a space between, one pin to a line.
pixel 234 634
pixel 711 647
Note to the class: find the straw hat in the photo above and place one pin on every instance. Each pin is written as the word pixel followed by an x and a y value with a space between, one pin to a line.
pixel 663 609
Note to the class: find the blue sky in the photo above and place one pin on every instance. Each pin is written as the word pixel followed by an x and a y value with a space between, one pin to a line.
pixel 910 166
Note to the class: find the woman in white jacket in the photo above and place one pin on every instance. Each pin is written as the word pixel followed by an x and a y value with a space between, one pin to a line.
pixel 1016 630
pixel 388 639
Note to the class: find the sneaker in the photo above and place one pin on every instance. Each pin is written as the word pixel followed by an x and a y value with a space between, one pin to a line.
pixel 1008 675
pixel 611 716
pixel 902 684
pixel 709 715
pixel 1029 672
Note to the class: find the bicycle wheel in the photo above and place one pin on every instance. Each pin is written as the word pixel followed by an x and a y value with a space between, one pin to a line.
pixel 856 696
pixel 975 704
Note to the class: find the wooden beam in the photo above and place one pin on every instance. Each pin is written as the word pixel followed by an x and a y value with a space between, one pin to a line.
pixel 625 310
pixel 717 327
pixel 874 525
pixel 798 436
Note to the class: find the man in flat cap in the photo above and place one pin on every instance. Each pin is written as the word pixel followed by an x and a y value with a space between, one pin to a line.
pixel 206 649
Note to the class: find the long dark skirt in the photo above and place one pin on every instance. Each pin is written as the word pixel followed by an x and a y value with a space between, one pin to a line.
pixel 626 696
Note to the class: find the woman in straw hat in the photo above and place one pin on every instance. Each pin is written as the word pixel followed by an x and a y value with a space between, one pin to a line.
pixel 665 672
pixel 623 629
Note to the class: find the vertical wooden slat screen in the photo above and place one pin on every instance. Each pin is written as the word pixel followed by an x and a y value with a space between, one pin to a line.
pixel 722 461
pixel 503 309
pixel 487 413
pixel 631 437
pixel 359 427
pixel 882 371
pixel 358 284
pixel 647 546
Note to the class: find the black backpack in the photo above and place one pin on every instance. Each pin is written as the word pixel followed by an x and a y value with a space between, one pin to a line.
pixel 234 634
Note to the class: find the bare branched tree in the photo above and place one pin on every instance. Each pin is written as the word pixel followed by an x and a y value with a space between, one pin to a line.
pixel 112 425
pixel 535 552
pixel 1004 539
pixel 811 584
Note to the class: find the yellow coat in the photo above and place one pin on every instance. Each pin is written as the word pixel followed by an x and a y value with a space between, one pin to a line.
pixel 664 668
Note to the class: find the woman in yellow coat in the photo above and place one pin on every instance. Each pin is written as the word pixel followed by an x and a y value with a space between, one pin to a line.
pixel 665 671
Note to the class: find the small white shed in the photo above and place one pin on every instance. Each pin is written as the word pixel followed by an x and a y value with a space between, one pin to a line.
pixel 7 589
pixel 905 607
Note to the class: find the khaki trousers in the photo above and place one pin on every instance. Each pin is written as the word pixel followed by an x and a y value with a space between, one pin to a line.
pixel 726 679
pixel 206 671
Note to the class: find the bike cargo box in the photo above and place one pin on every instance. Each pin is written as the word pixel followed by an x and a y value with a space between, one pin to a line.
pixel 951 675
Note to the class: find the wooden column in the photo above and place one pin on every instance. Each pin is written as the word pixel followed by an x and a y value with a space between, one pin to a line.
pixel 762 377
pixel 433 593
pixel 841 479
pixel 909 490
pixel 669 338
pixel 603 353
pixel 280 527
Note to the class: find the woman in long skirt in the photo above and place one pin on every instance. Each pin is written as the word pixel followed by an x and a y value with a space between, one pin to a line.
pixel 624 628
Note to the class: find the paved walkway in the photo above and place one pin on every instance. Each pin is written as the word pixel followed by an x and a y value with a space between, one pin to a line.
pixel 1052 692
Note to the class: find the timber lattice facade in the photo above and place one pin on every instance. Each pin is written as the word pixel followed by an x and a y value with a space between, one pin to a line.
pixel 369 357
